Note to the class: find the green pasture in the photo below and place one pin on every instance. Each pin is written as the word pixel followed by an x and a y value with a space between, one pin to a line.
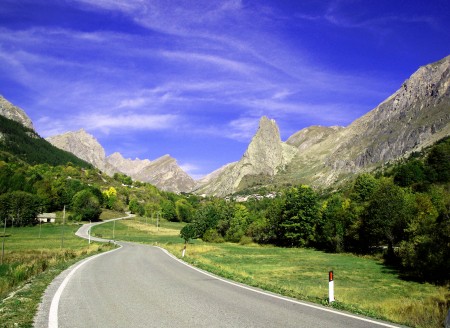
pixel 140 230
pixel 31 258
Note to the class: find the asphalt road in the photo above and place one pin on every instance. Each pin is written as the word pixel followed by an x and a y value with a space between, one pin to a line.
pixel 143 286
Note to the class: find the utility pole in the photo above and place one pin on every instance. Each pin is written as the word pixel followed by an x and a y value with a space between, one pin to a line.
pixel 157 221
pixel 3 241
pixel 64 222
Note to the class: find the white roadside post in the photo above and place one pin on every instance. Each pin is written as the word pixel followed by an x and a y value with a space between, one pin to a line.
pixel 330 287
pixel 184 250
pixel 89 231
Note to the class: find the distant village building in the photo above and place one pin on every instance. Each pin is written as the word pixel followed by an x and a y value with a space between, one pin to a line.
pixel 47 217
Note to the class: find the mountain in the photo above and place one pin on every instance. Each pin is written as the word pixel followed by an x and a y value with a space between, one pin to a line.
pixel 265 157
pixel 415 116
pixel 310 136
pixel 163 172
pixel 128 166
pixel 14 113
pixel 21 143
pixel 85 146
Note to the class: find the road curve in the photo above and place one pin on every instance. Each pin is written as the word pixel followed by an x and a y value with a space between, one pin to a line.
pixel 143 286
pixel 83 232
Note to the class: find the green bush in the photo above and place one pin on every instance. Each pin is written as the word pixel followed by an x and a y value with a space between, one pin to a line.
pixel 212 236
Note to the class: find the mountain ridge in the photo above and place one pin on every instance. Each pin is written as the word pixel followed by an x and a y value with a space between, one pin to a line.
pixel 163 172
pixel 415 116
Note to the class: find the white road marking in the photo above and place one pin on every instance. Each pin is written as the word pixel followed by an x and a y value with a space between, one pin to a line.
pixel 277 296
pixel 53 314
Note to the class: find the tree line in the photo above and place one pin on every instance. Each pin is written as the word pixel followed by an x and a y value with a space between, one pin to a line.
pixel 403 213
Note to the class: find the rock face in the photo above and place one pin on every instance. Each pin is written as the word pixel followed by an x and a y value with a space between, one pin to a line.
pixel 128 166
pixel 265 157
pixel 164 172
pixel 311 136
pixel 415 116
pixel 14 113
pixel 85 146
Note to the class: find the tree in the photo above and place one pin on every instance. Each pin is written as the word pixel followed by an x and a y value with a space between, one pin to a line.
pixel 386 216
pixel 331 233
pixel 409 173
pixel 425 252
pixel 85 206
pixel 299 217
pixel 110 197
pixel 184 210
pixel 238 224
pixel 364 186
pixel 135 207
pixel 19 208
pixel 210 213
pixel 189 232
pixel 168 210
pixel 438 162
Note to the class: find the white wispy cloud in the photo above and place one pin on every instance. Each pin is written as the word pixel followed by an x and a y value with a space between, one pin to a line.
pixel 106 123
pixel 219 62
pixel 205 67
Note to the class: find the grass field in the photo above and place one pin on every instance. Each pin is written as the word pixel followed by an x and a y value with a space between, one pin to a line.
pixel 362 285
pixel 32 257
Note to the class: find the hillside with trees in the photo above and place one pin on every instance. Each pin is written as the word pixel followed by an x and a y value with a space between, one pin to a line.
pixel 26 190
pixel 25 144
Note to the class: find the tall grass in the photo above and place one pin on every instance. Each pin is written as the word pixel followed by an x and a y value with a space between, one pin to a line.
pixel 33 257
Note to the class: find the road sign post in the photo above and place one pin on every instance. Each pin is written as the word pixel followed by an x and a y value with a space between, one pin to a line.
pixel 330 287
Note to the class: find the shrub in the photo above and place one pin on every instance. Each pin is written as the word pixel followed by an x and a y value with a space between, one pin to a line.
pixel 212 236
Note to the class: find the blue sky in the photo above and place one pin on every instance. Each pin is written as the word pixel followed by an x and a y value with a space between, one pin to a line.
pixel 192 78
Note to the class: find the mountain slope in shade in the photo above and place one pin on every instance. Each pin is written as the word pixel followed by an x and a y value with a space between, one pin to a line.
pixel 14 113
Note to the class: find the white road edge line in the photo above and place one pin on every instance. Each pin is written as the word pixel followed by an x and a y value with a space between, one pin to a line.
pixel 53 313
pixel 277 296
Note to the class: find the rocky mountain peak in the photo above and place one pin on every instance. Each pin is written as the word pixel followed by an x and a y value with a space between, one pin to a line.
pixel 125 165
pixel 85 146
pixel 266 153
pixel 14 113
pixel 265 156
pixel 165 173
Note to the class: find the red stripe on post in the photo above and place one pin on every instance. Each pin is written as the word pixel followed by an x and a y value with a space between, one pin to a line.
pixel 330 276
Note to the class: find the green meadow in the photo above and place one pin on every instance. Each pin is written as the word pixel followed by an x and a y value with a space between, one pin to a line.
pixel 363 285
pixel 32 257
